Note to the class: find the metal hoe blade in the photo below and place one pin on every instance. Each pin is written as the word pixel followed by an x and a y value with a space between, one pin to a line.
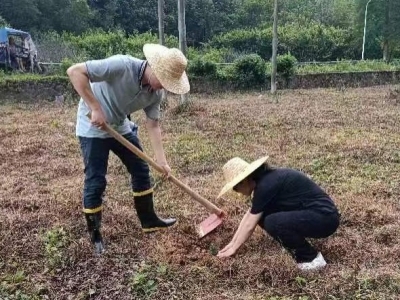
pixel 208 225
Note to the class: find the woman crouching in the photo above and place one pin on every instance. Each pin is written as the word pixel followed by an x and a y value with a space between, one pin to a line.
pixel 287 204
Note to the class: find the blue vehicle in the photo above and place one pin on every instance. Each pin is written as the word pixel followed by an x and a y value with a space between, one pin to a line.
pixel 17 51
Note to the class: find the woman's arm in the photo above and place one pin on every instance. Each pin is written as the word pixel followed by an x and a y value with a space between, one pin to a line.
pixel 244 231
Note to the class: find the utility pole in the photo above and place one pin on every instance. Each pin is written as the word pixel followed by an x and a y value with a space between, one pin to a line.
pixel 182 40
pixel 365 29
pixel 274 48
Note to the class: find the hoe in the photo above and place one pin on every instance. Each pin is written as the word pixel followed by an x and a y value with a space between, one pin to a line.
pixel 205 227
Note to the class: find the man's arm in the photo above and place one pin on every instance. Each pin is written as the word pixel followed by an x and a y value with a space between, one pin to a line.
pixel 244 231
pixel 78 75
pixel 154 130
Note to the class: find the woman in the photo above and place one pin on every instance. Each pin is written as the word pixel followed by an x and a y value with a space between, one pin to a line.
pixel 286 204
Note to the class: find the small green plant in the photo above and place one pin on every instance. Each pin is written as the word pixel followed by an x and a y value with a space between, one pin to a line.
pixel 16 278
pixel 213 249
pixel 289 298
pixel 55 124
pixel 10 287
pixel 301 281
pixel 143 283
pixel 55 242
pixel 162 270
pixel 15 295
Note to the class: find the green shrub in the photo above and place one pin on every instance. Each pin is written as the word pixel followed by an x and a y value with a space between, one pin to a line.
pixel 245 41
pixel 286 65
pixel 134 43
pixel 98 44
pixel 201 67
pixel 249 70
pixel 347 66
pixel 65 64
pixel 314 41
pixel 226 74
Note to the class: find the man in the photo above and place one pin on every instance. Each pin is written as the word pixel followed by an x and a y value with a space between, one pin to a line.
pixel 286 203
pixel 111 89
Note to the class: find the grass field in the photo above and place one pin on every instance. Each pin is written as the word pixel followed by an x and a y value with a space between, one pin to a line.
pixel 347 140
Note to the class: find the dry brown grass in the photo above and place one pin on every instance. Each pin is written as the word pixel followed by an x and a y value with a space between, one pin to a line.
pixel 348 141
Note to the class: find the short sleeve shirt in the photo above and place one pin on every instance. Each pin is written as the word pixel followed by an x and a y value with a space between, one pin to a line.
pixel 285 189
pixel 116 85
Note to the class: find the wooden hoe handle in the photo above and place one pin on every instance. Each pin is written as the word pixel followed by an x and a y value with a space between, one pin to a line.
pixel 207 204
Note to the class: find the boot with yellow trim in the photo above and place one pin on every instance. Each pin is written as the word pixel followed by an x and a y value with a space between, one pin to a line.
pixel 148 218
pixel 93 224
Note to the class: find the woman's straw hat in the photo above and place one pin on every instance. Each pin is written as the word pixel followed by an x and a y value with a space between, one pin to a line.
pixel 236 170
pixel 168 64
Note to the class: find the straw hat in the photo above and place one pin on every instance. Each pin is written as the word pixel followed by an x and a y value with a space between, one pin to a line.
pixel 168 64
pixel 236 170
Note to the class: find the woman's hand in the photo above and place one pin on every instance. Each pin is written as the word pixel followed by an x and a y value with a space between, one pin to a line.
pixel 246 228
pixel 226 247
pixel 228 251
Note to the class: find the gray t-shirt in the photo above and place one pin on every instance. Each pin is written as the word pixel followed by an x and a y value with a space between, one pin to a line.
pixel 115 84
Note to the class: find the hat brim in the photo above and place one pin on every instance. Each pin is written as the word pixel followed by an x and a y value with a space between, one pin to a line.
pixel 250 169
pixel 178 86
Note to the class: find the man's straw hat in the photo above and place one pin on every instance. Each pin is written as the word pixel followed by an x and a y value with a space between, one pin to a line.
pixel 168 64
pixel 236 170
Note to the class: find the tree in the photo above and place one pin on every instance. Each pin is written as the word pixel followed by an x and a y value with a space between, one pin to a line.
pixel 64 15
pixel 383 26
pixel 206 18
pixel 3 22
pixel 199 20
pixel 21 14
pixel 161 37
pixel 184 99
pixel 106 12
pixel 333 13
pixel 161 8
pixel 255 13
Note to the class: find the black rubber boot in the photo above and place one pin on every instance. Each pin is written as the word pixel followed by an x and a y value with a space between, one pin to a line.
pixel 93 225
pixel 149 220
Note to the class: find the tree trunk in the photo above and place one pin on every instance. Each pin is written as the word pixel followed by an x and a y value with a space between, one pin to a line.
pixel 386 33
pixel 161 4
pixel 161 35
pixel 274 48
pixel 182 26
pixel 386 50
pixel 184 99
